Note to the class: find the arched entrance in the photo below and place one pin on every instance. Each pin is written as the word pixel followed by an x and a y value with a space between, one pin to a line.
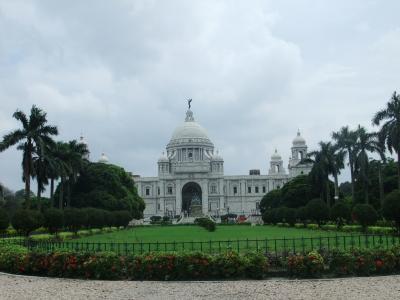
pixel 191 199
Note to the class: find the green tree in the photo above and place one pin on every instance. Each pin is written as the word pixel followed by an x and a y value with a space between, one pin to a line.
pixel 107 187
pixel 366 143
pixel 346 139
pixel 390 130
pixel 272 199
pixel 4 220
pixel 340 212
pixel 53 220
pixel 391 208
pixel 34 134
pixel 327 161
pixel 317 211
pixel 365 215
pixel 26 221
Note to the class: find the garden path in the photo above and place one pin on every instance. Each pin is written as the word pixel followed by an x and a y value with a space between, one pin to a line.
pixel 363 288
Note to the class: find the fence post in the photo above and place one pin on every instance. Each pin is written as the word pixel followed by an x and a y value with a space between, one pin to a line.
pixel 302 245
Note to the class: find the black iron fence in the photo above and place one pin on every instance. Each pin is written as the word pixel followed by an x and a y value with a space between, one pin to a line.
pixel 270 246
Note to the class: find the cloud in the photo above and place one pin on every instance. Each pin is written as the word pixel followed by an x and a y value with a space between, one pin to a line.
pixel 120 72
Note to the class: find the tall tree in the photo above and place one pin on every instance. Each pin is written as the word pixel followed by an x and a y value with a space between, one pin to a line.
pixel 366 143
pixel 34 132
pixel 389 117
pixel 323 166
pixel 346 139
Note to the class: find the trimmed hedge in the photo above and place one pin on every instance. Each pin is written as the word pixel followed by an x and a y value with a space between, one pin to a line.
pixel 197 266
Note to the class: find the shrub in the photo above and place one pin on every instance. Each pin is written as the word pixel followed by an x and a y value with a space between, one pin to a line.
pixel 53 219
pixel 269 216
pixel 391 208
pixel 205 223
pixel 155 219
pixel 365 215
pixel 308 265
pixel 312 226
pixel 380 230
pixel 26 221
pixel 351 228
pixel 75 219
pixel 121 218
pixel 289 215
pixel 95 217
pixel 4 220
pixel 302 215
pixel 339 213
pixel 299 225
pixel 317 211
pixel 329 227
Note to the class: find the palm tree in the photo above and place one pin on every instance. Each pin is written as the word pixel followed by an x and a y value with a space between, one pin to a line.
pixel 366 142
pixel 31 136
pixel 346 139
pixel 338 155
pixel 390 130
pixel 322 167
pixel 77 153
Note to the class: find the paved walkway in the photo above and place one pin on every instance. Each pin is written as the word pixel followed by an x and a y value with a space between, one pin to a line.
pixel 24 287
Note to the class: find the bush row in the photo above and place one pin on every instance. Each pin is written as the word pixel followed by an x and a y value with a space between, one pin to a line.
pixel 197 266
pixel 25 221
pixel 317 211
pixel 346 228
pixel 205 223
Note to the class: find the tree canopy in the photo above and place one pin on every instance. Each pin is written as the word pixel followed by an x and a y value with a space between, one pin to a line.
pixel 108 187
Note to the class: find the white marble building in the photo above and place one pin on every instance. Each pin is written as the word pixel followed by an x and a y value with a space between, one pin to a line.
pixel 191 177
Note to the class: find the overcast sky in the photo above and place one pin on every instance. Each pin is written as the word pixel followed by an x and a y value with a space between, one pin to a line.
pixel 120 72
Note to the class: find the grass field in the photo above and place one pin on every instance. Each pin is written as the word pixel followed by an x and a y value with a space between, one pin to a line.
pixel 239 238
pixel 195 233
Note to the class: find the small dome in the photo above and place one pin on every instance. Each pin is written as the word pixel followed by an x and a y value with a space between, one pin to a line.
pixel 82 140
pixel 163 158
pixel 299 140
pixel 217 157
pixel 276 156
pixel 103 159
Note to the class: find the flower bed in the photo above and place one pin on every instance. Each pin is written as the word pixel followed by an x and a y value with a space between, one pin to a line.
pixel 196 266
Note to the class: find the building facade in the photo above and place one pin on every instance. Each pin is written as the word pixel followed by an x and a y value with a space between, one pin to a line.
pixel 191 178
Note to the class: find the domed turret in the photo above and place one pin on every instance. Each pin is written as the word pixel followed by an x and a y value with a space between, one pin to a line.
pixel 103 159
pixel 299 140
pixel 217 157
pixel 275 156
pixel 163 158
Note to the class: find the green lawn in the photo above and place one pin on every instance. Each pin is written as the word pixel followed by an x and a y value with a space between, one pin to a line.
pixel 225 238
pixel 197 234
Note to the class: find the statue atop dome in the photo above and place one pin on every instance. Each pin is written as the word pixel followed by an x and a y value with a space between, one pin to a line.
pixel 189 102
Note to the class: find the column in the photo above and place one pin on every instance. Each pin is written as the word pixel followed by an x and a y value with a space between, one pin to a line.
pixel 204 200
pixel 178 197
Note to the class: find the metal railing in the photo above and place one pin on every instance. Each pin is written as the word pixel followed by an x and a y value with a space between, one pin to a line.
pixel 281 246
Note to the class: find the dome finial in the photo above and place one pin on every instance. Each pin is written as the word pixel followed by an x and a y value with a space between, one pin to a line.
pixel 189 113
pixel 298 132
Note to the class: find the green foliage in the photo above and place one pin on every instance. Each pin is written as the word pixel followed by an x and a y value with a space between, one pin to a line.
pixel 121 218
pixel 270 217
pixel 75 219
pixel 26 221
pixel 95 218
pixel 273 199
pixel 107 187
pixel 293 194
pixel 340 212
pixel 365 215
pixel 206 223
pixel 391 207
pixel 312 226
pixel 317 210
pixel 310 265
pixel 53 219
pixel 302 214
pixel 4 220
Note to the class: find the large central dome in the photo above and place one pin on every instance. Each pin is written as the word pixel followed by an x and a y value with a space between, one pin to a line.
pixel 190 132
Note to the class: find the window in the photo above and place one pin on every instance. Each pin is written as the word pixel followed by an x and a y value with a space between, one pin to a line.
pixel 213 189
pixel 158 206
pixel 147 191
pixel 264 190
pixel 190 155
pixel 249 189
pixel 257 205
pixel 158 190
pixel 256 189
pixel 169 191
pixel 235 189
